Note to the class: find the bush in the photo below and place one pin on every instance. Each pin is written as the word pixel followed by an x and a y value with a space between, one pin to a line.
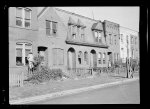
pixel 43 73
pixel 46 74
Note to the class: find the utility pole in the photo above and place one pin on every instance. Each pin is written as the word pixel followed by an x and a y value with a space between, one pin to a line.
pixel 127 58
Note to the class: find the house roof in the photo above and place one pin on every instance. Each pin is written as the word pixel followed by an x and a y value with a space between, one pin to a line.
pixel 71 21
pixel 97 26
pixel 79 23
pixel 46 8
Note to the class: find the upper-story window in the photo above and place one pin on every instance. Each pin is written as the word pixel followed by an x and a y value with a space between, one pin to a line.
pixel 82 32
pixel 51 27
pixel 98 36
pixel 23 17
pixel 80 57
pixel 74 31
pixel 115 38
pixel 121 36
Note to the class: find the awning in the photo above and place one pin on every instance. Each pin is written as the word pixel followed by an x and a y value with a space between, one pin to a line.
pixel 97 26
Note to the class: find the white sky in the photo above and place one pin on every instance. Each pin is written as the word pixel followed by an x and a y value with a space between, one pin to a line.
pixel 125 16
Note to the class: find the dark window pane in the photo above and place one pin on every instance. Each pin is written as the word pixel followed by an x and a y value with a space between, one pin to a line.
pixel 19 61
pixel 27 23
pixel 18 22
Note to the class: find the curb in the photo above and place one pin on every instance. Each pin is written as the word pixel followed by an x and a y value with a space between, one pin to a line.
pixel 68 92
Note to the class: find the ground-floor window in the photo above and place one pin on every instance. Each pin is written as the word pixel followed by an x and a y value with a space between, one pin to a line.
pixel 22 51
pixel 99 58
pixel 58 56
pixel 80 57
pixel 86 57
pixel 104 58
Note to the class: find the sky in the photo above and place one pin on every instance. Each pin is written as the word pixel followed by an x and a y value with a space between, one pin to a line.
pixel 125 16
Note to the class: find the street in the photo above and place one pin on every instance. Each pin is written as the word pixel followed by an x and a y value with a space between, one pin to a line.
pixel 126 93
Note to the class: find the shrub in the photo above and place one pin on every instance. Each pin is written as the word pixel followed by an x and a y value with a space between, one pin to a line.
pixel 43 73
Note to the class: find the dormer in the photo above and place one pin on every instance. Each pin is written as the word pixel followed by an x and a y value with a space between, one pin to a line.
pixel 97 30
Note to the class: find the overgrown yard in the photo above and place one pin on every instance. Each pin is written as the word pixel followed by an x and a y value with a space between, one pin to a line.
pixel 51 86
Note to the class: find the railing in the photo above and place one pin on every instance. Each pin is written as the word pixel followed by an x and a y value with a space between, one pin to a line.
pixel 16 79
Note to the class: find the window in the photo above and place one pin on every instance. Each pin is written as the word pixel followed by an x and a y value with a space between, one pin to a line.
pixel 74 32
pixel 110 38
pixel 48 27
pixel 99 58
pixel 82 33
pixel 86 57
pixel 58 56
pixel 122 38
pixel 98 36
pixel 115 39
pixel 23 17
pixel 80 57
pixel 51 27
pixel 27 17
pixel 19 17
pixel 104 58
pixel 135 41
pixel 54 27
pixel 22 51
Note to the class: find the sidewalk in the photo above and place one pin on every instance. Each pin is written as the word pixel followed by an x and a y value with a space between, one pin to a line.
pixel 57 86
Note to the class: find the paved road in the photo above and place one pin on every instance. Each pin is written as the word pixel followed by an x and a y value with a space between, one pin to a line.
pixel 124 94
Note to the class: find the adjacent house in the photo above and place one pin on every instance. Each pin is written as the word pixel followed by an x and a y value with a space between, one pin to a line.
pixel 112 34
pixel 23 31
pixel 129 43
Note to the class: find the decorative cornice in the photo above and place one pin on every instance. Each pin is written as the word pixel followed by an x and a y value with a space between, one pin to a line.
pixel 69 41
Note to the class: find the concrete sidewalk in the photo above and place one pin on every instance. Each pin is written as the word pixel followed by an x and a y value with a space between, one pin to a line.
pixel 68 87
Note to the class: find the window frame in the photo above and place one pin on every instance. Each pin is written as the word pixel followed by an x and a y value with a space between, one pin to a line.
pixel 23 19
pixel 23 47
pixel 99 58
